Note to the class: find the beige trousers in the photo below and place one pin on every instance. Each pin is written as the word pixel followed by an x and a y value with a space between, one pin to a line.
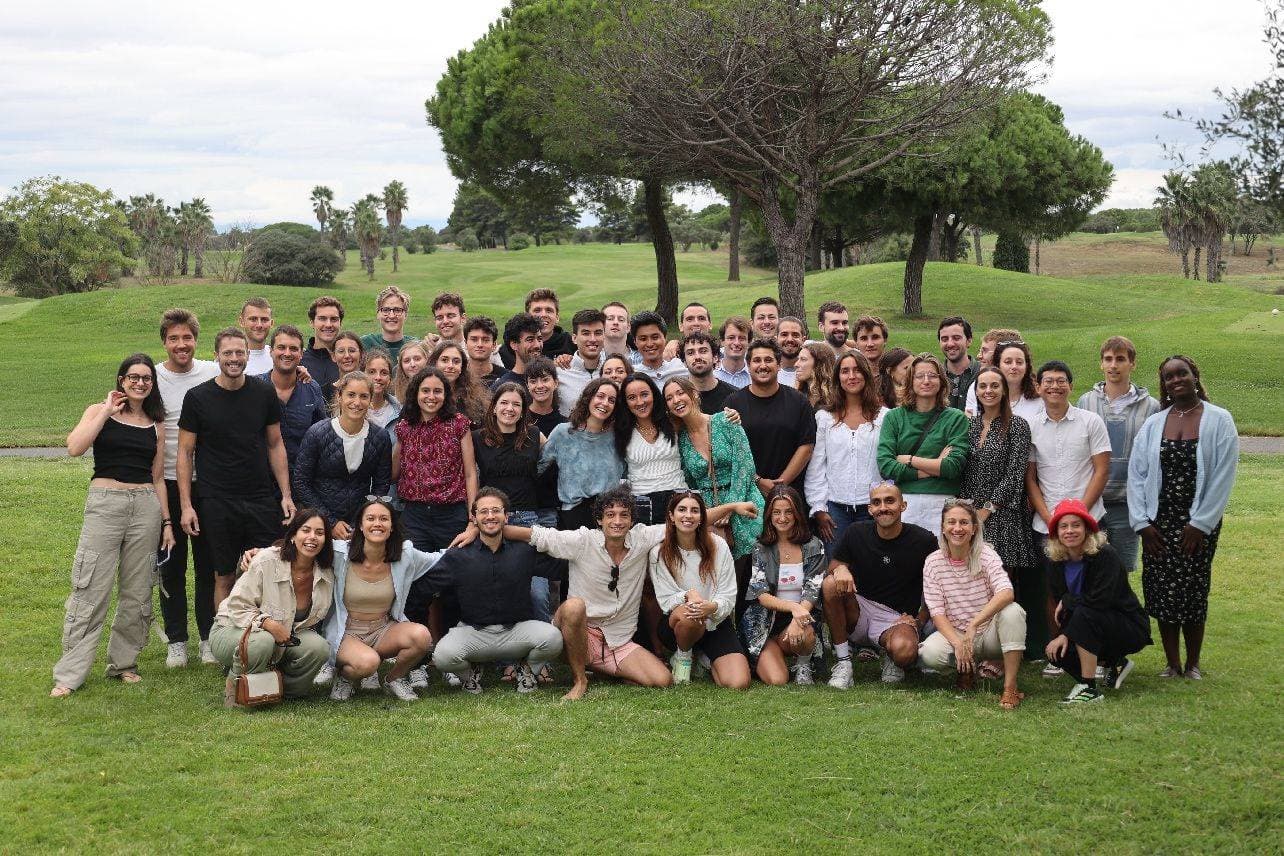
pixel 1005 632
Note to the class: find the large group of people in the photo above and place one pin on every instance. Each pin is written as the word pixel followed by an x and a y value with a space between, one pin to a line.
pixel 738 500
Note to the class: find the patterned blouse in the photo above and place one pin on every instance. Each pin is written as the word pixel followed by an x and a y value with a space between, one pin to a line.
pixel 995 473
pixel 432 460
pixel 733 468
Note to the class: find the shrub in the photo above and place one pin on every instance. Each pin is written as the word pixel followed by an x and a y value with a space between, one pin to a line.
pixel 1011 253
pixel 278 258
pixel 466 240
pixel 301 229
pixel 886 248
pixel 519 241
pixel 583 236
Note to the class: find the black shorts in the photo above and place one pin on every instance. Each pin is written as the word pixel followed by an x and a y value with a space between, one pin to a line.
pixel 718 642
pixel 229 527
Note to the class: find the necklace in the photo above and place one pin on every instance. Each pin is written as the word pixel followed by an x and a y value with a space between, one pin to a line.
pixel 648 434
pixel 1181 414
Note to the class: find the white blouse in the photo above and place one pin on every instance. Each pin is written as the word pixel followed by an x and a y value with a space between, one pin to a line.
pixel 654 467
pixel 844 462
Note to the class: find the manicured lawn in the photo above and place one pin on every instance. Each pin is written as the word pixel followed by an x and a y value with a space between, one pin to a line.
pixel 1163 766
pixel 58 355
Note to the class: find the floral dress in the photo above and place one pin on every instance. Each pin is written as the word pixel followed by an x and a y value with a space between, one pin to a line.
pixel 995 472
pixel 734 471
pixel 1176 585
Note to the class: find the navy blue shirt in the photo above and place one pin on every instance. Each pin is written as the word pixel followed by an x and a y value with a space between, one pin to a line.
pixel 321 365
pixel 306 407
pixel 492 586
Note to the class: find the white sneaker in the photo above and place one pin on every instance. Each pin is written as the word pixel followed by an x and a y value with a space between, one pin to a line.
pixel 1101 672
pixel 342 689
pixel 418 678
pixel 1051 671
pixel 525 681
pixel 207 653
pixel 325 676
pixel 680 666
pixel 892 673
pixel 471 680
pixel 802 675
pixel 370 682
pixel 177 656
pixel 400 688
pixel 841 677
pixel 454 681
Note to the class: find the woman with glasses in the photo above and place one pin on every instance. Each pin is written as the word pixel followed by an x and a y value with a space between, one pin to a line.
pixel 348 353
pixel 1012 359
pixel 694 579
pixel 126 516
pixel 923 444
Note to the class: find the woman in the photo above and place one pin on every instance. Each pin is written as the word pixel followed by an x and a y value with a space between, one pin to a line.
pixel 844 461
pixel 384 408
pixel 1180 477
pixel 343 460
pixel 780 622
pixel 283 596
pixel 1013 360
pixel 893 371
pixel 347 355
pixel 922 445
pixel 971 602
pixel 716 460
pixel 994 481
pixel 412 359
pixel 814 373
pixel 126 515
pixel 616 368
pixel 373 574
pixel 471 398
pixel 695 584
pixel 647 443
pixel 1099 618
pixel 584 451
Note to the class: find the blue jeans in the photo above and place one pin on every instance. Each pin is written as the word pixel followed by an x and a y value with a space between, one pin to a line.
pixel 539 585
pixel 1122 538
pixel 843 516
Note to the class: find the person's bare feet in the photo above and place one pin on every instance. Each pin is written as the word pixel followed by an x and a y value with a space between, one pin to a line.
pixel 577 690
pixel 60 692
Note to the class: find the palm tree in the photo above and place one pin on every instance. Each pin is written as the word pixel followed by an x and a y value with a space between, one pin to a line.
pixel 198 232
pixel 1176 215
pixel 322 204
pixel 368 231
pixel 394 203
pixel 340 225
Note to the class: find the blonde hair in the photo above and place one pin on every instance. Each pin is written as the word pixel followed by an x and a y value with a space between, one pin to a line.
pixel 342 383
pixel 978 544
pixel 1057 552
pixel 399 379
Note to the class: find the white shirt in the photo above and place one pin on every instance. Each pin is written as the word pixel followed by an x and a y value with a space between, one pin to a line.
pixel 173 387
pixel 653 467
pixel 721 589
pixel 260 361
pixel 789 586
pixel 667 369
pixel 844 462
pixel 1062 453
pixel 571 382
pixel 787 377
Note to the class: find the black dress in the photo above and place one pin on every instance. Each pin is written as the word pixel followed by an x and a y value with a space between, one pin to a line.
pixel 1176 585
pixel 1104 618
pixel 995 473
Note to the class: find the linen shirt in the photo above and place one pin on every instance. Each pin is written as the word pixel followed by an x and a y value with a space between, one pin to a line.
pixel 672 593
pixel 844 462
pixel 1062 453
pixel 266 591
pixel 571 382
pixel 615 613
pixel 951 591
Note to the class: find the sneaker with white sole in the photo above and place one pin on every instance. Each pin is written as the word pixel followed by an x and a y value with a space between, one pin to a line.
pixel 207 653
pixel 525 679
pixel 418 678
pixel 1081 694
pixel 892 673
pixel 342 689
pixel 325 676
pixel 176 656
pixel 802 675
pixel 1051 671
pixel 453 680
pixel 840 678
pixel 865 654
pixel 470 681
pixel 399 688
pixel 370 683
pixel 680 666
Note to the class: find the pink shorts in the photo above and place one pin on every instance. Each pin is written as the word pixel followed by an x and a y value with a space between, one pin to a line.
pixel 875 620
pixel 603 659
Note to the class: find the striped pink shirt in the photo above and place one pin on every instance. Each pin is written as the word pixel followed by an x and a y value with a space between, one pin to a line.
pixel 950 590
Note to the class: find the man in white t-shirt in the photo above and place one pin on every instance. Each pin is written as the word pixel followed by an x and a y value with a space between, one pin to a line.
pixel 256 321
pixel 1069 450
pixel 588 330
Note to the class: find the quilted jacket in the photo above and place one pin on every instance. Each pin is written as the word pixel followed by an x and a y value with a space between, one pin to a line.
pixel 321 480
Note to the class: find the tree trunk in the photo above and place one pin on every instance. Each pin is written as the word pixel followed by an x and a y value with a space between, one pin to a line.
pixel 182 265
pixel 198 256
pixel 1214 258
pixel 733 239
pixel 396 241
pixel 1198 249
pixel 815 247
pixel 666 263
pixel 976 244
pixel 912 299
pixel 1038 243
pixel 1185 263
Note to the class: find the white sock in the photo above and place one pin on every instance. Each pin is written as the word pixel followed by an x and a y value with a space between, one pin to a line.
pixel 842 650
pixel 684 655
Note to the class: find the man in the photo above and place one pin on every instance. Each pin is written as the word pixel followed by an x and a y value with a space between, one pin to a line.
pixel 765 315
pixel 955 336
pixel 326 316
pixel 649 331
pixel 480 335
pixel 302 402
pixel 490 580
pixel 700 354
pixel 175 376
pixel 542 303
pixel 694 319
pixel 791 335
pixel 588 329
pixel 734 334
pixel 1123 407
pixel 256 321
pixel 985 357
pixel 449 317
pixel 871 338
pixel 393 308
pixel 873 591
pixel 781 425
pixel 617 331
pixel 607 569
pixel 522 339
pixel 831 318
pixel 231 427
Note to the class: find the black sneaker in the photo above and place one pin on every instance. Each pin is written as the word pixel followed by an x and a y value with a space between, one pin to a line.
pixel 1082 694
pixel 1116 674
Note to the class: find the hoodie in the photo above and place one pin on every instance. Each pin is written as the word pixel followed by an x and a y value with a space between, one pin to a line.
pixel 1124 418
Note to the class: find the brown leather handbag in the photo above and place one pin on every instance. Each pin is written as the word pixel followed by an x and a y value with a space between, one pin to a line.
pixel 257 688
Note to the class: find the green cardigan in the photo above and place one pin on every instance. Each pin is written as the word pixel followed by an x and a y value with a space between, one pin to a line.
pixel 902 428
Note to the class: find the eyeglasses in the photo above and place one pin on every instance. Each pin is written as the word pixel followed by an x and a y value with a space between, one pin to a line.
pixel 392 310
pixel 1010 342
pixel 138 378
pixel 614 584
pixel 1058 381
pixel 370 497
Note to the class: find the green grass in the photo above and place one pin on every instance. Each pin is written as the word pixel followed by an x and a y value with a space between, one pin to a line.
pixel 78 340
pixel 1164 766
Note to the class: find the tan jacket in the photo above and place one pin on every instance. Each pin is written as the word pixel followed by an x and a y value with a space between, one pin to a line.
pixel 265 591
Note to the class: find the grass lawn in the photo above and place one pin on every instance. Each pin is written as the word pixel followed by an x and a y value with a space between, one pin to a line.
pixel 1163 766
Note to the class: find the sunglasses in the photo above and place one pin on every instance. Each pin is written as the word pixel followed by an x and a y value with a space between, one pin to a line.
pixel 614 585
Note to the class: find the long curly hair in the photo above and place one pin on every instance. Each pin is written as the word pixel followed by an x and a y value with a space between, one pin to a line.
pixel 579 413
pixel 819 387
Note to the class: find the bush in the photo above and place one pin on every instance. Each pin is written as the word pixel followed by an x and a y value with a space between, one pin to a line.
pixel 466 240
pixel 713 245
pixel 279 258
pixel 412 248
pixel 1011 253
pixel 519 241
pixel 583 236
pixel 887 248
pixel 301 229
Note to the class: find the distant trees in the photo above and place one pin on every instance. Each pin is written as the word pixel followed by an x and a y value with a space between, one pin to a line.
pixel 278 257
pixel 1196 210
pixel 394 204
pixel 1111 220
pixel 367 230
pixel 195 224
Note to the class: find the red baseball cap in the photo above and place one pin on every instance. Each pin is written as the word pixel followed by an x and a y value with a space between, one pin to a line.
pixel 1075 507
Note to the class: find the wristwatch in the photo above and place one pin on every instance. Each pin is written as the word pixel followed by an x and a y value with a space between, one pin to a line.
pixel 990 507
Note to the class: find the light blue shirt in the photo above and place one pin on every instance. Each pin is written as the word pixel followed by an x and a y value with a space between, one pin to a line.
pixel 738 379
pixel 1215 462
pixel 586 463
pixel 412 565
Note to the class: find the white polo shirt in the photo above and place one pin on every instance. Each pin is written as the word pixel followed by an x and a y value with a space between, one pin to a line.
pixel 1062 452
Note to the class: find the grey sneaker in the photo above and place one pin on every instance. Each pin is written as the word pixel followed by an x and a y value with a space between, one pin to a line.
pixel 1081 694
pixel 802 675
pixel 325 676
pixel 892 673
pixel 207 653
pixel 418 678
pixel 342 689
pixel 1051 671
pixel 841 676
pixel 453 680
pixel 176 657
pixel 680 665
pixel 525 679
pixel 370 683
pixel 470 681
pixel 400 688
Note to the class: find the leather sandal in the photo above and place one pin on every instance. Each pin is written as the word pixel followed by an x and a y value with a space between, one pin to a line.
pixel 1011 699
pixel 60 692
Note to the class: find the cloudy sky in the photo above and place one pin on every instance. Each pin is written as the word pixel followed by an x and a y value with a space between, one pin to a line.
pixel 252 104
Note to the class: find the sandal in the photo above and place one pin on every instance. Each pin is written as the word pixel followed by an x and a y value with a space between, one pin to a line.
pixel 510 674
pixel 128 677
pixel 1011 699
pixel 545 675
pixel 60 692
pixel 990 670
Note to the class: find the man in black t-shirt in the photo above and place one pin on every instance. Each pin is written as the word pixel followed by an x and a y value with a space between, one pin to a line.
pixel 700 352
pixel 779 422
pixel 231 426
pixel 873 591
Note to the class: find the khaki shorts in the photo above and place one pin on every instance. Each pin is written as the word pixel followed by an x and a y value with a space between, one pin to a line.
pixel 368 632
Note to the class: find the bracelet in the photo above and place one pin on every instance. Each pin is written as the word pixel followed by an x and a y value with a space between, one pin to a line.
pixel 165 521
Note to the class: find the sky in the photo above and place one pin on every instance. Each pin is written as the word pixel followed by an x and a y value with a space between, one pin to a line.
pixel 250 105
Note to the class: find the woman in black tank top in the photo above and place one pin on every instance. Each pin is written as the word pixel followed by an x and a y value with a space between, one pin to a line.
pixel 126 516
